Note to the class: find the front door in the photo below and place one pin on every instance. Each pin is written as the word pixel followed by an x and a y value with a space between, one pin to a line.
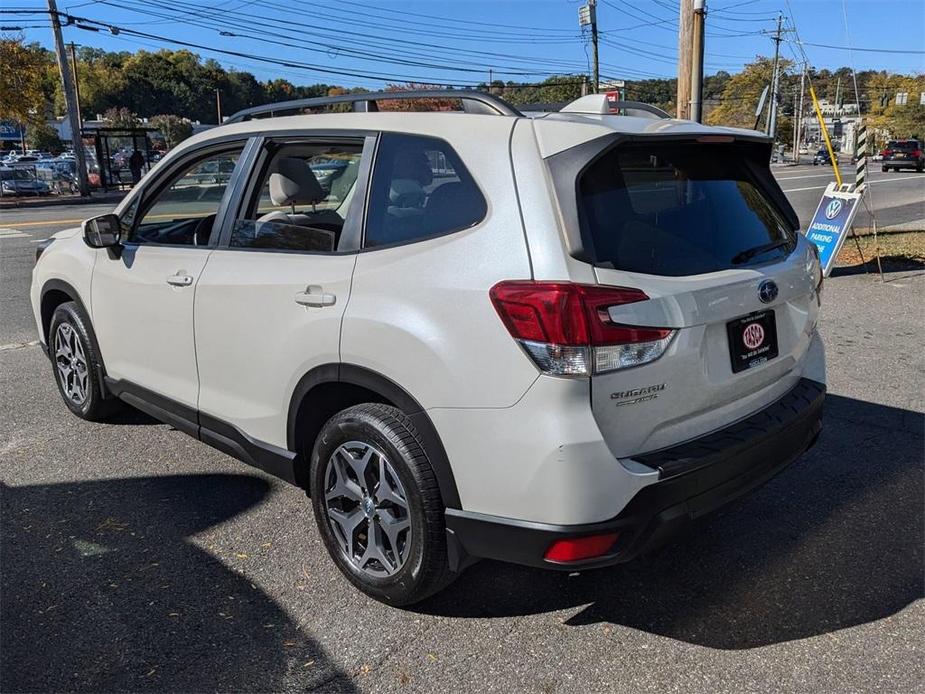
pixel 270 302
pixel 142 297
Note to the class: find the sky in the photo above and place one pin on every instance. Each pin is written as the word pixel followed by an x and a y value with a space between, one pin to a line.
pixel 457 42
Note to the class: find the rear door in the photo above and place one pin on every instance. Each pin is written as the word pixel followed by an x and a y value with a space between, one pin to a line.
pixel 695 227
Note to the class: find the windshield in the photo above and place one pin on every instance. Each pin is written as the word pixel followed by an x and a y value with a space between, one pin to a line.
pixel 905 146
pixel 678 209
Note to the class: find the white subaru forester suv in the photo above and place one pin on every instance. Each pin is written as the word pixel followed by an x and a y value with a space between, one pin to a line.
pixel 550 340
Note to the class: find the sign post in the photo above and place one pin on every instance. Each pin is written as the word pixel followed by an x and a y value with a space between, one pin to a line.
pixel 831 224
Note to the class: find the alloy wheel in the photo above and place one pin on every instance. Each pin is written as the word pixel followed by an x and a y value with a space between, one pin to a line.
pixel 366 506
pixel 71 362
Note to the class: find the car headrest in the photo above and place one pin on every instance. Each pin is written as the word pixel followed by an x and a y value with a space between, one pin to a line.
pixel 406 192
pixel 414 165
pixel 293 183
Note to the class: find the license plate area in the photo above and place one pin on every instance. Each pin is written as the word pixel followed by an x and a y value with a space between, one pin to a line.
pixel 752 340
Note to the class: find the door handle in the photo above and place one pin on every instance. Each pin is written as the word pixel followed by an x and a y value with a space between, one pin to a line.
pixel 180 280
pixel 315 296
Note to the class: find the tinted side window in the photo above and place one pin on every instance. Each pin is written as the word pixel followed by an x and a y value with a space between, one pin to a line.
pixel 183 213
pixel 303 199
pixel 420 188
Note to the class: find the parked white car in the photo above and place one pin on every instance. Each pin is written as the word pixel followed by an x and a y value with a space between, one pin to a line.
pixel 551 341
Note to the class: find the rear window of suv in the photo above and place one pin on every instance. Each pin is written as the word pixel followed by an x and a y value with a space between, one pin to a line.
pixel 903 145
pixel 678 209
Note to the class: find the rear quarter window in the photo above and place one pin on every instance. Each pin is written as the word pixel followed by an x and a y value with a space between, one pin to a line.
pixel 678 209
pixel 420 189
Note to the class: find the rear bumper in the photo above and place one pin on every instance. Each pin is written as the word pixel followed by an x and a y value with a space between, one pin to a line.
pixel 695 478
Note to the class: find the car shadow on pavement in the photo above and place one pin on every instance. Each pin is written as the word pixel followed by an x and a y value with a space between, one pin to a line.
pixel 832 542
pixel 103 590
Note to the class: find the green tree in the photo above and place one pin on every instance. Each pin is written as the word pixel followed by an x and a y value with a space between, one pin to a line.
pixel 22 96
pixel 173 128
pixel 888 120
pixel 742 91
pixel 121 118
pixel 44 137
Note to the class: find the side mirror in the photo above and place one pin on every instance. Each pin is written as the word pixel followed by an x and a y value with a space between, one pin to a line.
pixel 104 231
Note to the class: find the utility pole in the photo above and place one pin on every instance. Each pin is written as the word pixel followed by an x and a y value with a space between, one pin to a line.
pixel 592 6
pixel 490 77
pixel 70 100
pixel 73 48
pixel 685 36
pixel 772 112
pixel 696 98
pixel 798 126
pixel 218 104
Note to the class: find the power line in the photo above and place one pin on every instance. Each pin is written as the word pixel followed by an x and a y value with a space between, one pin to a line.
pixel 864 50
pixel 364 39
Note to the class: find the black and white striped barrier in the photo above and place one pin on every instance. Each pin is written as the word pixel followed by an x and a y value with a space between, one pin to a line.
pixel 860 171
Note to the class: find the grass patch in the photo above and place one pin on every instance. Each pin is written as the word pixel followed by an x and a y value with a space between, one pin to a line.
pixel 898 250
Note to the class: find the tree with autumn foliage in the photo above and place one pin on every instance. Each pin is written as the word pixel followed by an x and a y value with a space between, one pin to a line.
pixel 22 81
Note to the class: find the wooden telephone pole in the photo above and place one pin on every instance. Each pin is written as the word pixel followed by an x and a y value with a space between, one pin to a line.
pixel 685 53
pixel 70 99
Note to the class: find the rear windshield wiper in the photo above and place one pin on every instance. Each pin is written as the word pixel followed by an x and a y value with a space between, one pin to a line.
pixel 747 255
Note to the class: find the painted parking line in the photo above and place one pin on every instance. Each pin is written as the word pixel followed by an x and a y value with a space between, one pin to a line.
pixel 793 178
pixel 12 234
pixel 879 180
pixel 46 223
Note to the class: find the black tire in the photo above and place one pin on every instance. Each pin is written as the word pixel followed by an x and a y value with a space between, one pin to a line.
pixel 387 429
pixel 884 169
pixel 93 406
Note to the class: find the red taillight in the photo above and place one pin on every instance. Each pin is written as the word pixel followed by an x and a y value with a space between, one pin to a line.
pixel 579 548
pixel 558 322
pixel 541 311
pixel 917 153
pixel 886 153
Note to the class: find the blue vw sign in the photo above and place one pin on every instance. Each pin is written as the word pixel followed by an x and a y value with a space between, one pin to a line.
pixel 833 208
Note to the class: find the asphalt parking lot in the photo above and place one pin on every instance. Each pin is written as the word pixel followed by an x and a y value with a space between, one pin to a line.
pixel 133 558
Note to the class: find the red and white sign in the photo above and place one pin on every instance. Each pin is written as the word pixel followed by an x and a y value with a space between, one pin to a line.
pixel 753 335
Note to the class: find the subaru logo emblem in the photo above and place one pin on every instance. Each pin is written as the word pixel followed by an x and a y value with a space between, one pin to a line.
pixel 767 291
pixel 832 209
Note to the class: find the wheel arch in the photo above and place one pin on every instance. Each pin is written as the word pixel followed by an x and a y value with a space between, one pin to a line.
pixel 327 389
pixel 54 293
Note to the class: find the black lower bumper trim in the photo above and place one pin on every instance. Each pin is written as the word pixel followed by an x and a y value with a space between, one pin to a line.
pixel 697 477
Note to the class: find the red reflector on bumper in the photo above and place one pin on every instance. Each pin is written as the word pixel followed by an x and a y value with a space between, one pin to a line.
pixel 578 548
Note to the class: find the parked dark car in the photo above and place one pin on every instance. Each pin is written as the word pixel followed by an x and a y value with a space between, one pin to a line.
pixel 903 154
pixel 21 182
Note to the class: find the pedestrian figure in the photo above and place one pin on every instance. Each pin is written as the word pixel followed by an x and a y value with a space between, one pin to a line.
pixel 135 162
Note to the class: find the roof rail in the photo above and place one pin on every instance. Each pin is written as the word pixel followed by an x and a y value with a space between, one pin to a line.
pixel 601 103
pixel 473 102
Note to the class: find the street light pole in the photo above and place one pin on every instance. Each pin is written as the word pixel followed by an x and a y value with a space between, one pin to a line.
pixel 70 100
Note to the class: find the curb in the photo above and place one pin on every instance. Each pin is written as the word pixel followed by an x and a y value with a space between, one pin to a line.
pixel 62 200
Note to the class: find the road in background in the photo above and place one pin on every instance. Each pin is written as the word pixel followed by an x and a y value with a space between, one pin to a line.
pixel 138 559
pixel 898 197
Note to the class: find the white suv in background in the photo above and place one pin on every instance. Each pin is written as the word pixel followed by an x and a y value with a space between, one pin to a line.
pixel 549 340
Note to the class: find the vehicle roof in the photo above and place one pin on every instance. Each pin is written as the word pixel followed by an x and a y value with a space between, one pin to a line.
pixel 555 131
